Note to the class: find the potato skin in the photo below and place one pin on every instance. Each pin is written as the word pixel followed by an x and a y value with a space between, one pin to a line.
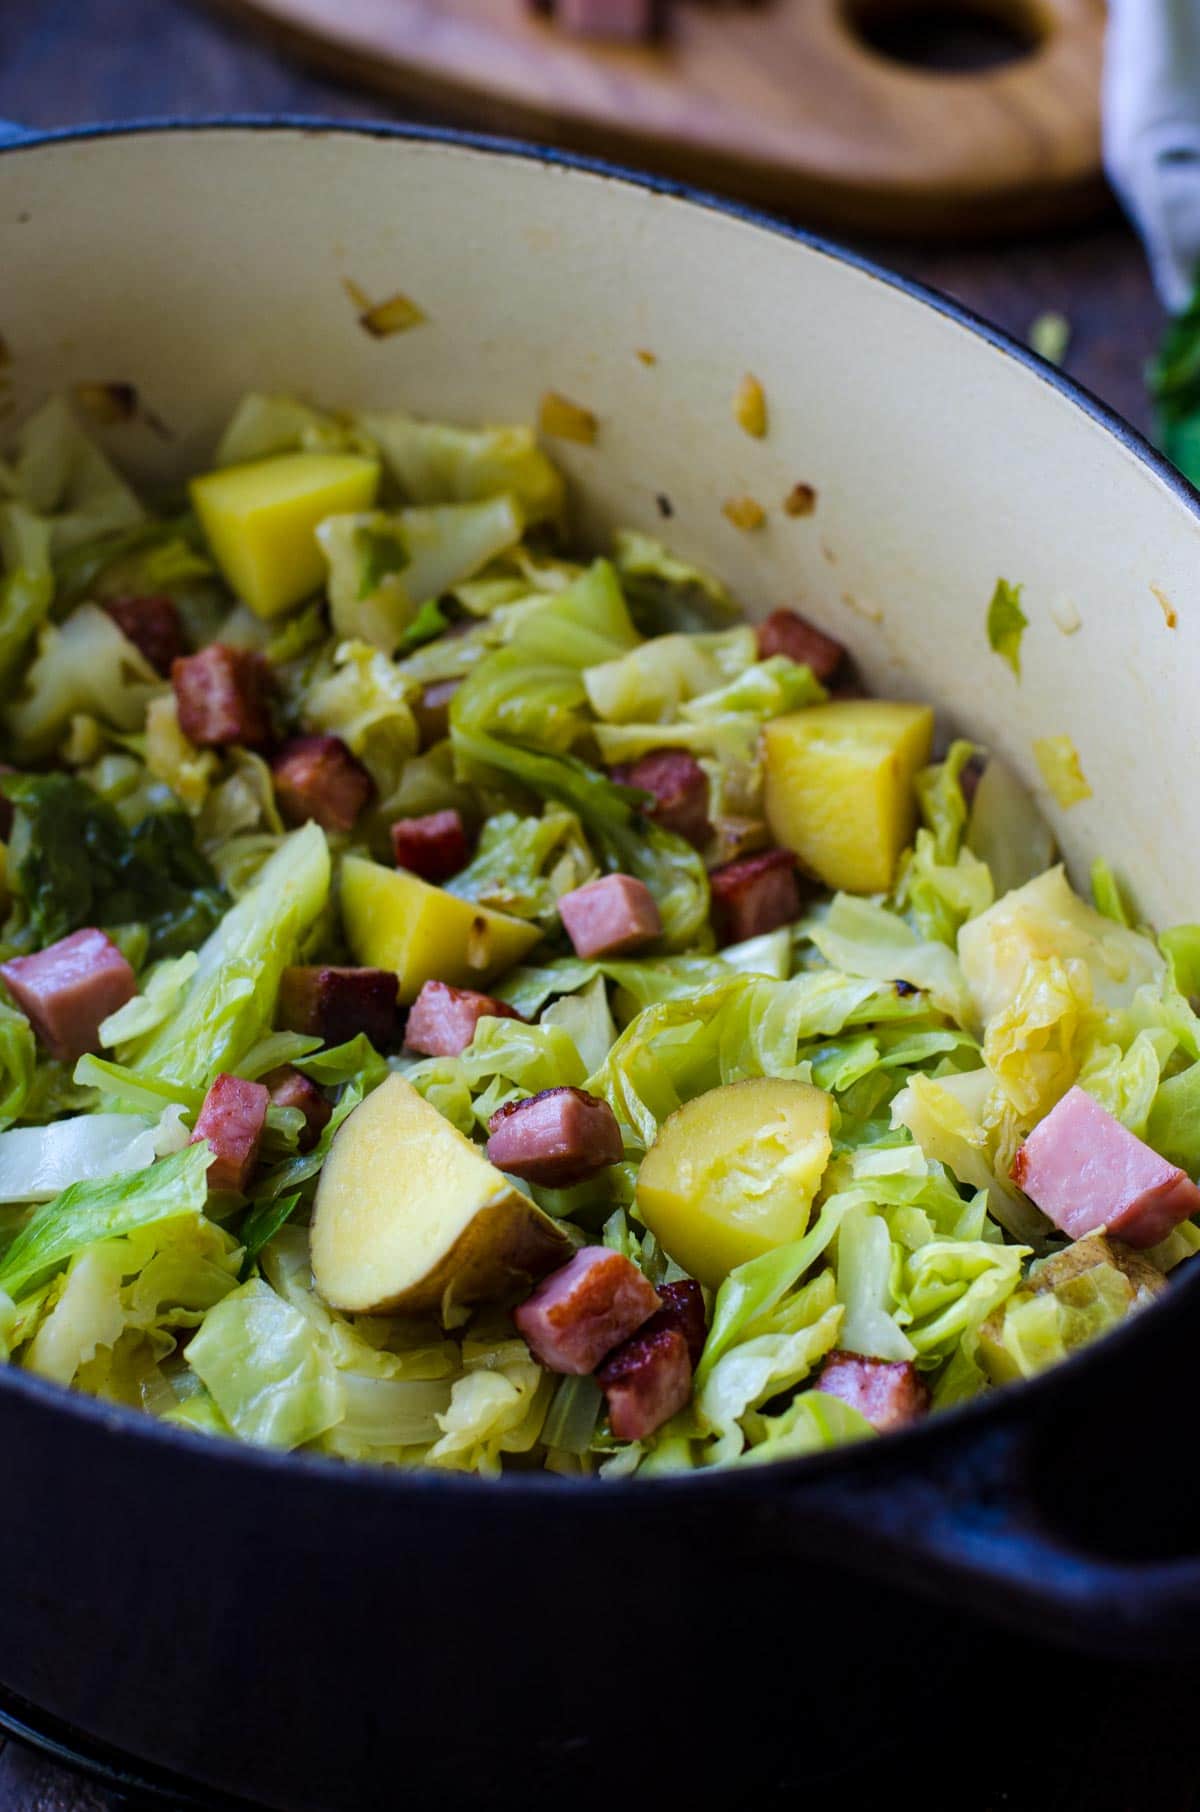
pixel 501 1253
pixel 410 1217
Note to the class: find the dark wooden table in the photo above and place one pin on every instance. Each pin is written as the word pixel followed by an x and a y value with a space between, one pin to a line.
pixel 67 61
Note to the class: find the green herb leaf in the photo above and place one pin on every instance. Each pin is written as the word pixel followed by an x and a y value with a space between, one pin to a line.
pixel 261 1225
pixel 1006 623
pixel 77 863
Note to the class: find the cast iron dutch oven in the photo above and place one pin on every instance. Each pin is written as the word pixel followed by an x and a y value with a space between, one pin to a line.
pixel 327 1638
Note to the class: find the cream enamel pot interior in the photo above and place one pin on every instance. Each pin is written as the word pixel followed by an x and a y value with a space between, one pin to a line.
pixel 297 1631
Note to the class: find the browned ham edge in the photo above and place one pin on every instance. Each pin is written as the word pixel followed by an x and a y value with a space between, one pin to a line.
pixel 679 786
pixel 434 846
pixel 288 1088
pixel 336 1003
pixel 556 1138
pixel 232 1120
pixel 646 1381
pixel 153 626
pixel 223 696
pixel 316 777
pixel 786 632
pixel 582 1311
pixel 754 895
pixel 1087 1171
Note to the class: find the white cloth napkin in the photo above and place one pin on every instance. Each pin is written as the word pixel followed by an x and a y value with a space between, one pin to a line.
pixel 1152 133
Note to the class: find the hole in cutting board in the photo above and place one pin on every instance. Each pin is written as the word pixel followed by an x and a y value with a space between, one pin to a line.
pixel 943 37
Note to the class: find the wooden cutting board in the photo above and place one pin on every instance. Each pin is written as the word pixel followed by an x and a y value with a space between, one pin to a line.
pixel 783 102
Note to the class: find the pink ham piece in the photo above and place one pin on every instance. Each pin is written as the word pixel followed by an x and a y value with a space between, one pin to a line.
pixel 334 1003
pixel 754 895
pixel 222 694
pixel 609 916
pixel 680 789
pixel 556 1138
pixel 288 1088
pixel 434 847
pixel 232 1120
pixel 442 1019
pixel 67 990
pixel 618 21
pixel 646 1382
pixel 786 632
pixel 888 1392
pixel 586 1308
pixel 153 626
pixel 1087 1171
pixel 317 778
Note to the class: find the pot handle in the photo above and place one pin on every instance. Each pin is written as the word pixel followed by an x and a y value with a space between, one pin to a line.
pixel 1070 1509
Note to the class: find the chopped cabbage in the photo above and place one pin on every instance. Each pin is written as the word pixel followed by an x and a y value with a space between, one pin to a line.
pixel 383 568
pixel 108 1208
pixel 523 865
pixel 434 463
pixel 231 996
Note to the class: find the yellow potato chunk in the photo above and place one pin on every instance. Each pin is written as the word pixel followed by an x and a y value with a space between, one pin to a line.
pixel 394 920
pixel 733 1173
pixel 260 520
pixel 839 787
pixel 411 1218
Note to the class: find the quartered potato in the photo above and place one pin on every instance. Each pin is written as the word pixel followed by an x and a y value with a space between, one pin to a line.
pixel 733 1173
pixel 394 920
pixel 839 786
pixel 260 521
pixel 411 1217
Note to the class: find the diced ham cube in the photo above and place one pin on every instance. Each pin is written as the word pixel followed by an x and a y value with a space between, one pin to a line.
pixel 683 1310
pixel 618 21
pixel 67 990
pixel 316 777
pixel 1085 1170
pixel 153 626
pixel 556 1138
pixel 646 1382
pixel 786 632
pixel 288 1088
pixel 609 916
pixel 755 895
pixel 434 847
pixel 223 696
pixel 888 1392
pixel 431 708
pixel 680 788
pixel 442 1019
pixel 232 1120
pixel 335 1003
pixel 583 1310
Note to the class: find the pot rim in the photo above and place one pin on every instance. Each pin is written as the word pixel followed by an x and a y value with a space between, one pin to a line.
pixel 913 1447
